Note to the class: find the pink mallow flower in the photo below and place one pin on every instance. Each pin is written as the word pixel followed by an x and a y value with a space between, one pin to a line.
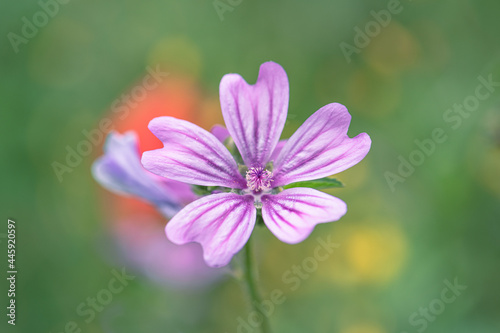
pixel 255 116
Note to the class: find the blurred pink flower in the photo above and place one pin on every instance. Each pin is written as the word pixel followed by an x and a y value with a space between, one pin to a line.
pixel 136 225
pixel 144 246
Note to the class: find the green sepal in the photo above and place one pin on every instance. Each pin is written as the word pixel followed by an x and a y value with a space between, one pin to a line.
pixel 259 220
pixel 206 190
pixel 318 184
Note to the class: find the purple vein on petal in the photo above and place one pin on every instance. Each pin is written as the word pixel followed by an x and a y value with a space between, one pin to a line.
pixel 191 155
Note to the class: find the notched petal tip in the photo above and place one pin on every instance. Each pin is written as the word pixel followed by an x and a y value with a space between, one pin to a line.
pixel 221 223
pixel 274 69
pixel 321 147
pixel 255 114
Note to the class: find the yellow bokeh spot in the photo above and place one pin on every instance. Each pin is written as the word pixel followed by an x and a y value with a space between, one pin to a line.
pixel 373 94
pixel 368 253
pixel 393 51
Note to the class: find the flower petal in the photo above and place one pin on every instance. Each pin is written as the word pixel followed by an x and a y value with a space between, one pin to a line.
pixel 221 223
pixel 277 150
pixel 320 147
pixel 255 114
pixel 292 214
pixel 120 171
pixel 191 155
pixel 220 132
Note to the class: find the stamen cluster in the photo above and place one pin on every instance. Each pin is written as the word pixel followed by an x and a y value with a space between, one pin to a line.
pixel 259 179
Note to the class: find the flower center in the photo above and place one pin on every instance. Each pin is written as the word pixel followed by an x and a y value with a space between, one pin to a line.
pixel 259 179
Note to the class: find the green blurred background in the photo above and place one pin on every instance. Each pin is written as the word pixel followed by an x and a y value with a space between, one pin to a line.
pixel 397 247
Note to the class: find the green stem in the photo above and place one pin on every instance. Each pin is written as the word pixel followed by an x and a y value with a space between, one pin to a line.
pixel 249 276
